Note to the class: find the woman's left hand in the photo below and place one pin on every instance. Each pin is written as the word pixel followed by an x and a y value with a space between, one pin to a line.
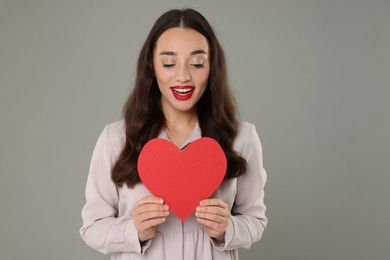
pixel 214 214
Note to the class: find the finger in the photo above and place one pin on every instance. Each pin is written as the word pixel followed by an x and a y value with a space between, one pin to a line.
pixel 213 210
pixel 140 219
pixel 213 225
pixel 212 217
pixel 151 215
pixel 213 202
pixel 150 223
pixel 146 204
pixel 149 200
pixel 149 208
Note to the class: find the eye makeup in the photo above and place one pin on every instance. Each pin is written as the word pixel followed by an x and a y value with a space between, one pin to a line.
pixel 197 63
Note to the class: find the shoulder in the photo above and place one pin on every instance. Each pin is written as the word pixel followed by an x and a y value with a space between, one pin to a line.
pixel 115 134
pixel 246 138
pixel 245 132
pixel 245 127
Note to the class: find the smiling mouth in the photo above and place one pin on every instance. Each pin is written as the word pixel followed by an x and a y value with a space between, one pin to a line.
pixel 182 92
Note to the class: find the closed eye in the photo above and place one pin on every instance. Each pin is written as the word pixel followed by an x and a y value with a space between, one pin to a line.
pixel 198 65
pixel 168 65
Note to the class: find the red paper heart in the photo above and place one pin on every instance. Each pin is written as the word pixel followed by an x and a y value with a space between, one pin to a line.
pixel 182 178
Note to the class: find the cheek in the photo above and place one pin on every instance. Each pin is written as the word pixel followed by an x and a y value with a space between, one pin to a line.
pixel 202 77
pixel 162 76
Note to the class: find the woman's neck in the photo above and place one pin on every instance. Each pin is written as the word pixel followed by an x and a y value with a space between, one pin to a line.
pixel 180 125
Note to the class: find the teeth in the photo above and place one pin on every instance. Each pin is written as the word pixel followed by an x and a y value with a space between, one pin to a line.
pixel 185 90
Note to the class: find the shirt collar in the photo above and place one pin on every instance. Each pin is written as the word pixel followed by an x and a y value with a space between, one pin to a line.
pixel 195 135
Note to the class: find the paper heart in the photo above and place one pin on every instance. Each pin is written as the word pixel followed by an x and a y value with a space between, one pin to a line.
pixel 182 177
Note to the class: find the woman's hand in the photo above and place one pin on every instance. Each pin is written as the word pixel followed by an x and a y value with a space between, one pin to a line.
pixel 214 214
pixel 147 213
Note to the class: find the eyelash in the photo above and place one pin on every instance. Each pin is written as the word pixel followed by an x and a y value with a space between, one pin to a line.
pixel 197 66
pixel 167 65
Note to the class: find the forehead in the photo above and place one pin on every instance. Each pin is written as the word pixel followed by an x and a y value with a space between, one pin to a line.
pixel 181 40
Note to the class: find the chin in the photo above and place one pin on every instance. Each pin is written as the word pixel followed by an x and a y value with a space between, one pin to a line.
pixel 185 107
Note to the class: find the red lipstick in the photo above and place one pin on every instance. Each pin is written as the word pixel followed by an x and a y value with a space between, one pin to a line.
pixel 182 92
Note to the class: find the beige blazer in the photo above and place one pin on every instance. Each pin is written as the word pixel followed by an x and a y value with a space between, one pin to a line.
pixel 108 227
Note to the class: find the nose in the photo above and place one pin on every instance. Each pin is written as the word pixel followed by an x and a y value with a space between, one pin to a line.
pixel 183 74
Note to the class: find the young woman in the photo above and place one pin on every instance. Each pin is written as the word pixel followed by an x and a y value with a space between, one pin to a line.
pixel 181 94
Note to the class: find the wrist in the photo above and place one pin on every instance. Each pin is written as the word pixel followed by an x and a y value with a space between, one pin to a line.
pixel 220 238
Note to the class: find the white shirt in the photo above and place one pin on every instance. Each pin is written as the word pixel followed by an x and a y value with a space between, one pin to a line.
pixel 108 226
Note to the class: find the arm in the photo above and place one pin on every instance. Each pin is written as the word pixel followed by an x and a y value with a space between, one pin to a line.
pixel 102 229
pixel 248 220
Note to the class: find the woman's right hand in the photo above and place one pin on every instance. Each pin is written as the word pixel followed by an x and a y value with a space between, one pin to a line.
pixel 147 213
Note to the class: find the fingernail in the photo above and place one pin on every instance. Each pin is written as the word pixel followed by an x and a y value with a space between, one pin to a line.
pixel 197 208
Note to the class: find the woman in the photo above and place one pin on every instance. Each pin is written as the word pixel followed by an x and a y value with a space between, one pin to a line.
pixel 181 94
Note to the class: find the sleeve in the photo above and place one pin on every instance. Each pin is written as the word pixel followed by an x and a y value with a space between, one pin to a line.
pixel 248 220
pixel 102 229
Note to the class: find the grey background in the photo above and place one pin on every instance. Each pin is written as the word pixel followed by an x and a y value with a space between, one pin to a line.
pixel 313 76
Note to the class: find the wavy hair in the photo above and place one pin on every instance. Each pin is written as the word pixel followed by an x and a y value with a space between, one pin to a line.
pixel 143 114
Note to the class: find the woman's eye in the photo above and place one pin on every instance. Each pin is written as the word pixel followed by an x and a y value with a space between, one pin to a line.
pixel 198 65
pixel 168 65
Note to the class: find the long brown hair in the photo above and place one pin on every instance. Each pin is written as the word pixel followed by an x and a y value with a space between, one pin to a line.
pixel 143 114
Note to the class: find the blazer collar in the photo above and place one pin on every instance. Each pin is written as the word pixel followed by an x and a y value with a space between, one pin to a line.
pixel 195 135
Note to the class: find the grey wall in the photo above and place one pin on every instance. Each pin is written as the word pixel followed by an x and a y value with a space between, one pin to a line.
pixel 314 76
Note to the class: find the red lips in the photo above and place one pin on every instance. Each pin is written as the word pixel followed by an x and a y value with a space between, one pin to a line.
pixel 182 92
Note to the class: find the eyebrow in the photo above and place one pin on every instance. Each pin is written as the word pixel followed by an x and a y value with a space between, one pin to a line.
pixel 172 53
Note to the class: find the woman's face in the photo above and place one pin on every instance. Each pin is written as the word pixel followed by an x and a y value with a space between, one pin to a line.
pixel 181 66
